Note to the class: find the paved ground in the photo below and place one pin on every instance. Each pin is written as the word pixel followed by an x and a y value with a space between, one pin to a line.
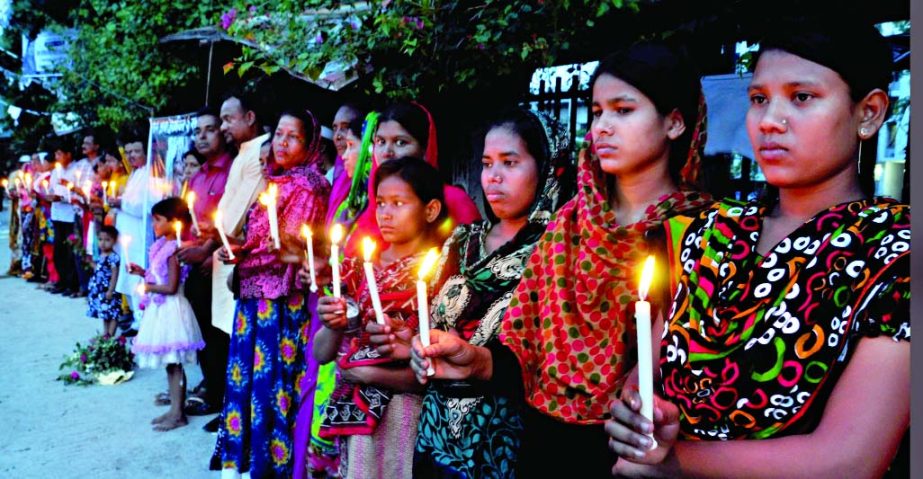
pixel 51 430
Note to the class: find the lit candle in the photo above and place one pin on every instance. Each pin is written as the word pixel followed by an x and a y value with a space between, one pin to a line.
pixel 106 194
pixel 368 248
pixel 423 300
pixel 190 202
pixel 224 237
pixel 309 254
pixel 5 183
pixel 268 199
pixel 91 237
pixel 125 240
pixel 178 228
pixel 645 357
pixel 70 187
pixel 29 181
pixel 45 186
pixel 336 235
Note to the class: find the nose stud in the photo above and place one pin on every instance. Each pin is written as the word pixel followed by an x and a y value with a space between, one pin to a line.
pixel 784 122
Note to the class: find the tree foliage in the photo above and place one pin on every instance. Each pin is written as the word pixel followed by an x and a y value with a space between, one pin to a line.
pixel 405 48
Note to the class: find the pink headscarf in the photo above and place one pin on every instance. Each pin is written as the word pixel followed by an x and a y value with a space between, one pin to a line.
pixel 461 208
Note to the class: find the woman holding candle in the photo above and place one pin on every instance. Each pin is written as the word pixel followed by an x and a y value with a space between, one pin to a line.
pixel 523 156
pixel 266 364
pixel 790 329
pixel 375 406
pixel 567 339
pixel 408 129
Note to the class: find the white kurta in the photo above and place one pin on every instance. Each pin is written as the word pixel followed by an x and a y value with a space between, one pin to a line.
pixel 245 183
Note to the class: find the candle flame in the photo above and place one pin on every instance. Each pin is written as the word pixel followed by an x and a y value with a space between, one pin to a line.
pixel 190 199
pixel 647 275
pixel 217 217
pixel 268 197
pixel 141 289
pixel 105 185
pixel 45 184
pixel 429 261
pixel 70 185
pixel 58 166
pixel 125 239
pixel 5 182
pixel 306 231
pixel 368 248
pixel 336 233
pixel 178 227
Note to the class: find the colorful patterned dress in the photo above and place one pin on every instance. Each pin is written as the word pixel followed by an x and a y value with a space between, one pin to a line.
pixel 266 362
pixel 100 307
pixel 377 427
pixel 467 429
pixel 755 343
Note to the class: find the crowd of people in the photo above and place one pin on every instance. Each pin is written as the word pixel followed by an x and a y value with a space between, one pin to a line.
pixel 781 328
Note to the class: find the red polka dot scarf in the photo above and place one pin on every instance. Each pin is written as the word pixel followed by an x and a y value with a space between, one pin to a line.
pixel 569 321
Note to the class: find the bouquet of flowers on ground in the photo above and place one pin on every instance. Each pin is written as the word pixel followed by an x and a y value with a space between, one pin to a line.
pixel 105 359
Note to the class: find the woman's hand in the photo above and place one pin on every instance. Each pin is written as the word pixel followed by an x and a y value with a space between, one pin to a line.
pixel 457 359
pixel 225 258
pixel 356 375
pixel 628 430
pixel 322 272
pixel 391 339
pixel 332 312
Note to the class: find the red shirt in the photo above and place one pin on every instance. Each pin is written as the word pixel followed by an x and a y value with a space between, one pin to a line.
pixel 209 183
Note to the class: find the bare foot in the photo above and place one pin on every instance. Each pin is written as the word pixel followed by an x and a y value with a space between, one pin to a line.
pixel 161 418
pixel 172 422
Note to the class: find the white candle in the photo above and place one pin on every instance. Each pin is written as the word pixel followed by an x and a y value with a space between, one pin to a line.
pixel 224 237
pixel 178 228
pixel 309 254
pixel 190 203
pixel 336 235
pixel 429 261
pixel 268 199
pixel 91 237
pixel 106 194
pixel 645 356
pixel 69 186
pixel 125 240
pixel 368 248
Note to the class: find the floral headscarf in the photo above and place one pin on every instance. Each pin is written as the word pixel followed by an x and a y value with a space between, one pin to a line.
pixel 569 321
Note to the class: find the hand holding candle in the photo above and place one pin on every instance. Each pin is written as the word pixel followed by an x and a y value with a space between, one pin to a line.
pixel 429 261
pixel 645 356
pixel 368 248
pixel 224 237
pixel 190 203
pixel 309 254
pixel 106 194
pixel 336 235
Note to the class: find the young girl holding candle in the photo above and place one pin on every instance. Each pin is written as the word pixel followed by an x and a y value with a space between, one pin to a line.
pixel 376 404
pixel 567 338
pixel 267 375
pixel 787 353
pixel 169 334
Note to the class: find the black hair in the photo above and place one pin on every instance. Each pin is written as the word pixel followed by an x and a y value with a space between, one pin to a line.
pixel 356 125
pixel 195 153
pixel 306 120
pixel 524 124
pixel 248 102
pixel 65 144
pixel 172 208
pixel 134 134
pixel 413 118
pixel 109 230
pixel 422 177
pixel 357 108
pixel 666 75
pixel 209 111
pixel 855 50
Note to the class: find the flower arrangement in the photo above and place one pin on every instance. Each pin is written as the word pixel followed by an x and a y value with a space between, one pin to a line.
pixel 105 359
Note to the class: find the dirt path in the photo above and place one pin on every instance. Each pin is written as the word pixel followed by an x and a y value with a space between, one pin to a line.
pixel 50 429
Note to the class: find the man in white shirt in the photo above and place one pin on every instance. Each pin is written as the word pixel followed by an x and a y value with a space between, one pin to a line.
pixel 62 215
pixel 83 177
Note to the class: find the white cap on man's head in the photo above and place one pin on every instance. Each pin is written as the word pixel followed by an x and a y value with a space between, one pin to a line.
pixel 25 158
